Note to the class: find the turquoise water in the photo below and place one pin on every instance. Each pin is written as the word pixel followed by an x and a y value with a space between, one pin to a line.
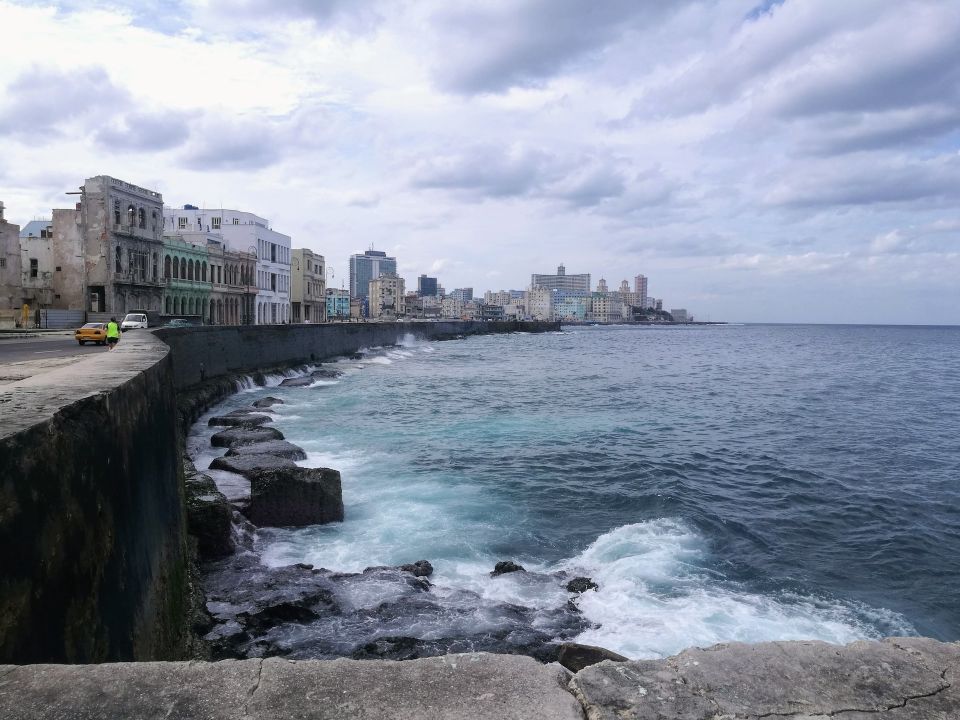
pixel 718 483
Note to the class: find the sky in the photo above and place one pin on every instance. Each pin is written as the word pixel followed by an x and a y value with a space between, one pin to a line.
pixel 774 161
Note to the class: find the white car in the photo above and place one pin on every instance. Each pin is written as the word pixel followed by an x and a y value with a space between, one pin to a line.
pixel 134 321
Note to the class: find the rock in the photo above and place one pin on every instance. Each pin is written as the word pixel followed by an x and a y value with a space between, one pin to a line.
pixel 267 402
pixel 325 373
pixel 356 356
pixel 581 585
pixel 209 517
pixel 244 436
pixel 298 611
pixel 294 497
pixel 506 566
pixel 280 448
pixel 249 464
pixel 575 657
pixel 297 382
pixel 421 568
pixel 245 419
pixel 390 648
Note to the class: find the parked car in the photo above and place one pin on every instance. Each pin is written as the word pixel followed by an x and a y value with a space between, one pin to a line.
pixel 91 332
pixel 134 321
pixel 178 322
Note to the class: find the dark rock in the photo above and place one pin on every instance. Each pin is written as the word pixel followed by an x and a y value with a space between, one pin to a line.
pixel 244 420
pixel 575 657
pixel 581 585
pixel 356 356
pixel 280 448
pixel 421 568
pixel 325 373
pixel 247 465
pixel 267 402
pixel 294 497
pixel 284 612
pixel 506 566
pixel 209 516
pixel 244 436
pixel 297 382
pixel 225 640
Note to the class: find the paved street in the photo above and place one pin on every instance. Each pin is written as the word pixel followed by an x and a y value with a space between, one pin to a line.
pixel 24 357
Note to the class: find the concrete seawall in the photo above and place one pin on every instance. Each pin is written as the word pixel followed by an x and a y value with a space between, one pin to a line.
pixel 93 543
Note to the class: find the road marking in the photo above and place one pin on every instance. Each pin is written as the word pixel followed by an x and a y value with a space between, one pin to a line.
pixel 40 352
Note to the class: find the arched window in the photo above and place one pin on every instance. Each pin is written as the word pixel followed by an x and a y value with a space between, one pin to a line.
pixel 116 217
pixel 183 268
pixel 166 267
pixel 142 218
pixel 131 215
pixel 168 304
pixel 190 270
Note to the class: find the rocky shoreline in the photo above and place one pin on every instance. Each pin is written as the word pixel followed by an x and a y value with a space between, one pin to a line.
pixel 245 609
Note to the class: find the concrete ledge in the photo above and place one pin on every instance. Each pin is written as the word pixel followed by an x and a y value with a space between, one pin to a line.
pixel 474 687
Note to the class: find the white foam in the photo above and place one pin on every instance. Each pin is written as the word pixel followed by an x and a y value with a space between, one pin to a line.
pixel 380 360
pixel 655 599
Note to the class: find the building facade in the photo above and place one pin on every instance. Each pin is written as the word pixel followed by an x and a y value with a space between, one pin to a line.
pixel 308 285
pixel 387 297
pixel 366 267
pixel 245 232
pixel 464 295
pixel 186 275
pixel 539 303
pixel 338 304
pixel 562 281
pixel 640 288
pixel 11 282
pixel 573 305
pixel 427 286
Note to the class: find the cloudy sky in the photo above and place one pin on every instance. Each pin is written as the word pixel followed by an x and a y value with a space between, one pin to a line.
pixel 794 160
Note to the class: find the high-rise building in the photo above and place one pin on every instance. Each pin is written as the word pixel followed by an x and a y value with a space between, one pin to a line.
pixel 387 297
pixel 426 286
pixel 464 295
pixel 640 288
pixel 366 267
pixel 561 281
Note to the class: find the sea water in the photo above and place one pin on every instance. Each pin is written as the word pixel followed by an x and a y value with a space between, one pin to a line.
pixel 717 482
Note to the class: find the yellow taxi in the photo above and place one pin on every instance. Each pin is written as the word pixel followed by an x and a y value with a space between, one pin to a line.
pixel 91 332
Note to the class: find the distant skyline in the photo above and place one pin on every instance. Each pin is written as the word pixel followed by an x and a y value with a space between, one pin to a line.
pixel 775 161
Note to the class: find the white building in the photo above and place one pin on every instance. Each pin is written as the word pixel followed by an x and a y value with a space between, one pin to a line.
pixel 502 298
pixel 387 297
pixel 451 307
pixel 539 303
pixel 246 232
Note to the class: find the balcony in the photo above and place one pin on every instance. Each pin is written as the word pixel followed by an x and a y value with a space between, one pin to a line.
pixel 137 232
pixel 126 278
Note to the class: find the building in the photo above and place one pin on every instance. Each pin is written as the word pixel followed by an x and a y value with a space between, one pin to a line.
pixel 233 291
pixel 680 315
pixel 539 303
pixel 451 307
pixel 11 292
pixel 562 281
pixel 105 252
pixel 308 302
pixel 386 297
pixel 464 295
pixel 338 304
pixel 573 305
pixel 245 232
pixel 187 276
pixel 602 286
pixel 640 288
pixel 502 298
pixel 427 286
pixel 366 267
pixel 605 308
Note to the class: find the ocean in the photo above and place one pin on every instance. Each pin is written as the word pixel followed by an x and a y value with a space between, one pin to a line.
pixel 718 483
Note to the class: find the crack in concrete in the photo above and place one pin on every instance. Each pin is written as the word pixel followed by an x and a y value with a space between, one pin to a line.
pixel 253 690
pixel 12 669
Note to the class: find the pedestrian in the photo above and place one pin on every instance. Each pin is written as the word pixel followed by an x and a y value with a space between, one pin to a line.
pixel 113 334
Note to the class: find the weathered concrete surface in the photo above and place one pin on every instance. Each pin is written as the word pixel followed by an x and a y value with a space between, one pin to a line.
pixel 454 687
pixel 895 679
pixel 93 563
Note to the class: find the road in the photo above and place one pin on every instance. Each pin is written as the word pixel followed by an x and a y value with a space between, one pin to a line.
pixel 54 345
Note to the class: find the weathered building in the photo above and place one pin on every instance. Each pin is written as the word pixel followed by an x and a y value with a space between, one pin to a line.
pixel 10 279
pixel 387 297
pixel 234 293
pixel 186 276
pixel 307 287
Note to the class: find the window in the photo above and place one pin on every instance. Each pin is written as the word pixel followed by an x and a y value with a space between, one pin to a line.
pixel 204 272
pixel 236 221
pixel 142 218
pixel 131 215
pixel 116 217
pixel 273 281
pixel 3 262
pixel 166 268
pixel 181 223
pixel 215 223
pixel 273 252
pixel 155 264
pixel 58 268
pixel 220 274
pixel 118 266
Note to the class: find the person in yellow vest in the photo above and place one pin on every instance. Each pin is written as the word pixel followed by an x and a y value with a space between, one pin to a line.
pixel 113 334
